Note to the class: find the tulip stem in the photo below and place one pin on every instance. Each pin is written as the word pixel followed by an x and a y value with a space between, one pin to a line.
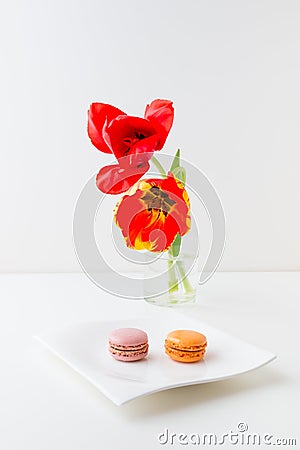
pixel 187 286
pixel 159 166
pixel 173 283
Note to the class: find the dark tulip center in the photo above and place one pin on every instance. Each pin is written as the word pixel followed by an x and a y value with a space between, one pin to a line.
pixel 130 141
pixel 139 136
pixel 158 200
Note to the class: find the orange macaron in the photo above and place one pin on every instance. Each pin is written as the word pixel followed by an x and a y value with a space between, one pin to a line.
pixel 185 345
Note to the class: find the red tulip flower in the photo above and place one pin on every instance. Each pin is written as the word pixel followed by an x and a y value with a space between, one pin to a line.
pixel 153 212
pixel 132 140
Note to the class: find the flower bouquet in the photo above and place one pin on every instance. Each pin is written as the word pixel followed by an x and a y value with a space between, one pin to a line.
pixel 153 213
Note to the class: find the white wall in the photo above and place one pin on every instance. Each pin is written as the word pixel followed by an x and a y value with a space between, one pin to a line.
pixel 232 69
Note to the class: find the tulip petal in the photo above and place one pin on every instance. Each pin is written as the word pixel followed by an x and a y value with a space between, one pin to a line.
pixel 114 179
pixel 152 213
pixel 123 132
pixel 140 153
pixel 98 114
pixel 156 235
pixel 161 114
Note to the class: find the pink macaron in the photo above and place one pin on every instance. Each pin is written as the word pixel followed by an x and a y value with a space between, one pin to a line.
pixel 128 344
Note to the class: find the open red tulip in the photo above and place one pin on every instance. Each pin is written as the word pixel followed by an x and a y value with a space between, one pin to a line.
pixel 128 138
pixel 153 212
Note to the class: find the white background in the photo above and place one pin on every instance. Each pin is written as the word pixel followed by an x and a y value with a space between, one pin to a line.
pixel 232 69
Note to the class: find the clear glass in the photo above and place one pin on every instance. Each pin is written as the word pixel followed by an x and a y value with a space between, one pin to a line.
pixel 171 281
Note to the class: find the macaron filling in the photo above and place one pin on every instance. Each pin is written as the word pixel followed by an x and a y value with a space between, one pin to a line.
pixel 139 349
pixel 195 350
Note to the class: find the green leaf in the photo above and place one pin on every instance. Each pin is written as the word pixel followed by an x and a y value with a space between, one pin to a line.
pixel 175 247
pixel 176 161
pixel 180 174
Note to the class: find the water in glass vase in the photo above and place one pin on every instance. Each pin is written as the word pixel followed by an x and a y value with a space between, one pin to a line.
pixel 171 281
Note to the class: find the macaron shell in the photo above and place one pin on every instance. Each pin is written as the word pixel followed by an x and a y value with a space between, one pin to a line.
pixel 128 344
pixel 185 345
pixel 186 339
pixel 128 336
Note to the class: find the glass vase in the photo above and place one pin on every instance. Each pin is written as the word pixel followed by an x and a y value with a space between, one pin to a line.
pixel 171 281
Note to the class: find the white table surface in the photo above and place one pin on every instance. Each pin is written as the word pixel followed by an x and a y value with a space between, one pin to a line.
pixel 45 405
